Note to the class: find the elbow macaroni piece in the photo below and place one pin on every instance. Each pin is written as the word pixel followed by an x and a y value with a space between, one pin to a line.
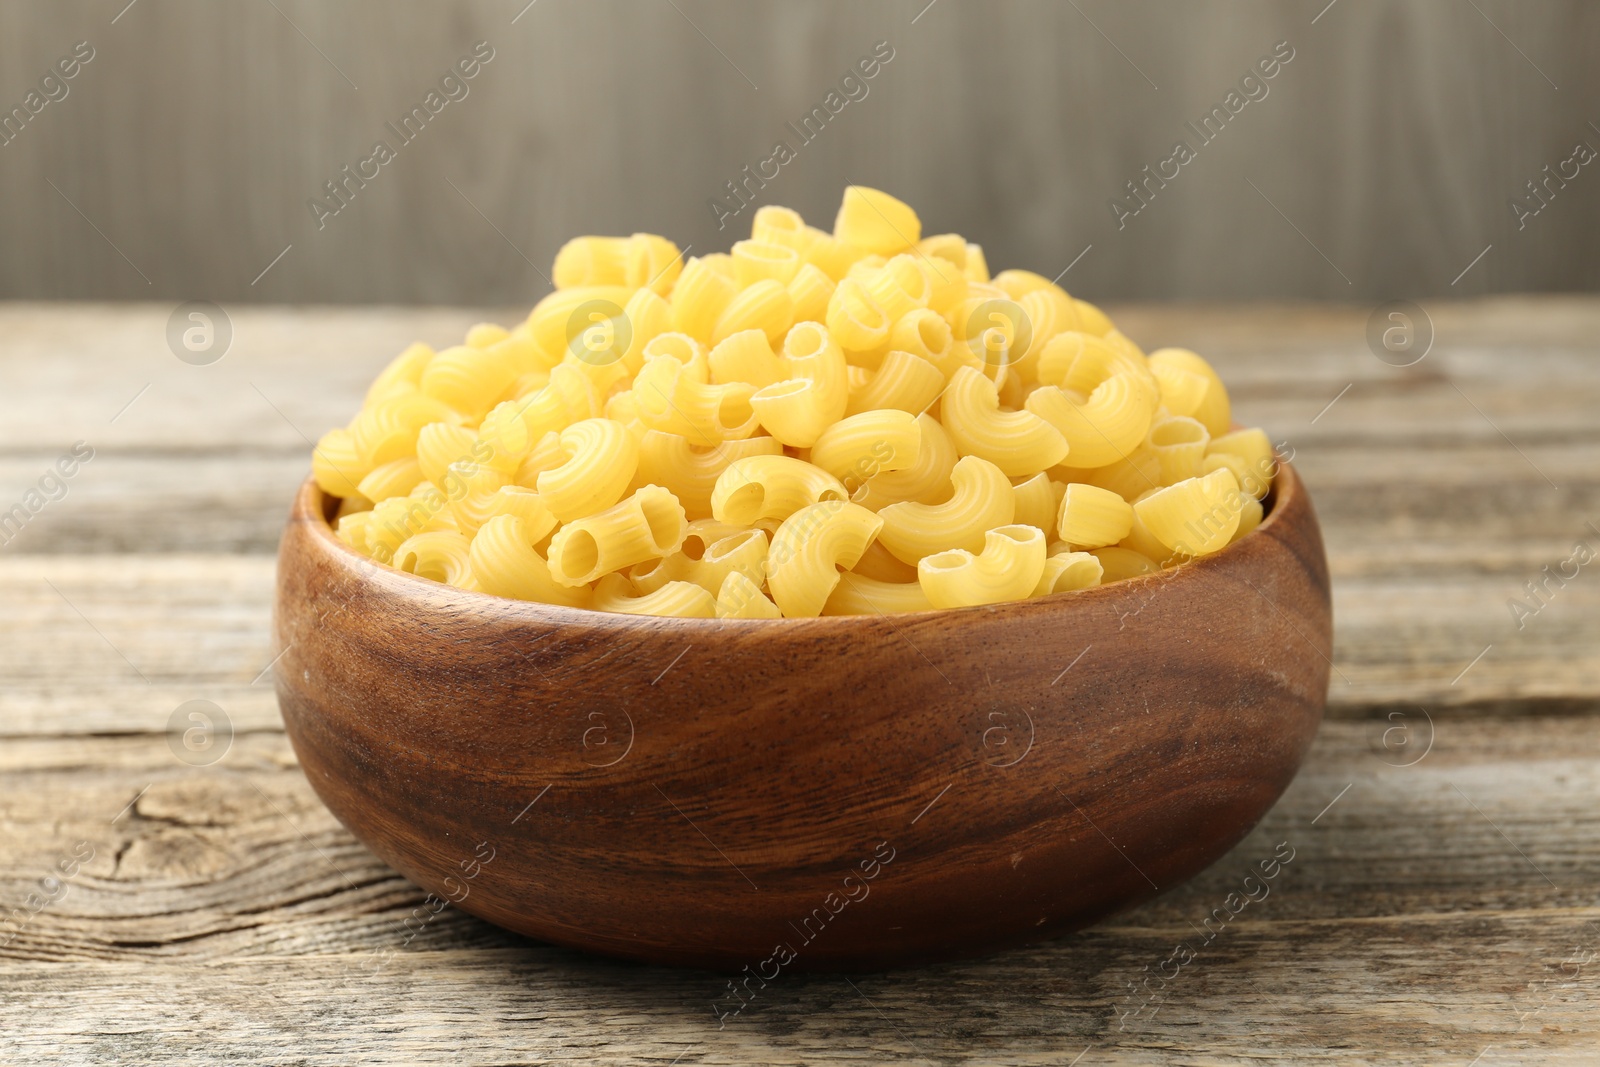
pixel 861 421
pixel 1009 568
pixel 981 501
pixel 647 525
pixel 771 487
pixel 1018 442
pixel 810 549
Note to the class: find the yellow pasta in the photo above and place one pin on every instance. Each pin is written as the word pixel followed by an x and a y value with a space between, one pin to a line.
pixel 1211 409
pixel 441 555
pixel 742 598
pixel 506 564
pixel 1092 517
pixel 771 487
pixel 699 298
pixel 1255 451
pixel 646 525
pixel 1179 444
pixel 1018 442
pixel 810 290
pixel 862 421
pixel 981 500
pixel 764 306
pixel 810 549
pixel 814 397
pixel 1065 571
pixel 689 469
pixel 680 600
pixel 857 323
pixel 857 594
pixel 859 447
pixel 746 357
pixel 1196 516
pixel 1035 502
pixel 927 481
pixel 601 459
pixel 903 381
pixel 1008 568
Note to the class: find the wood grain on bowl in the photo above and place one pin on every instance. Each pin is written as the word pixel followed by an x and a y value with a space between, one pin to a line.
pixel 836 793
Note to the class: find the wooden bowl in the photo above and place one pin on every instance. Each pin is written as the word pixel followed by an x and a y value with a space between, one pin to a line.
pixel 830 794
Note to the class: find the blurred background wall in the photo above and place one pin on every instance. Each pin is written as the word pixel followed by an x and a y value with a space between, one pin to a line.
pixel 1382 159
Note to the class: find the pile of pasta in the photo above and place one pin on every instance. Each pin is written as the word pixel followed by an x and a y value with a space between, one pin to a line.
pixel 814 423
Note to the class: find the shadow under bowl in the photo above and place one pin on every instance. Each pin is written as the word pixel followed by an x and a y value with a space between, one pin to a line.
pixel 850 793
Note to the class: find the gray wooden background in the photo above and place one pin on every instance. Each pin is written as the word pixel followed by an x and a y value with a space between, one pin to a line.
pixel 1379 165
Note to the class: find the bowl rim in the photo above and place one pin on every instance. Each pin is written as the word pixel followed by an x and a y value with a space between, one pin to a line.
pixel 310 509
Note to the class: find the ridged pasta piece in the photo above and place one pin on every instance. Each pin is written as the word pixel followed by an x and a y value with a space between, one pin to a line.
pixel 903 381
pixel 652 262
pixel 926 481
pixel 646 525
pixel 1213 411
pixel 747 357
pixel 764 306
pixel 470 488
pixel 857 324
pixel 1035 502
pixel 1068 571
pixel 1008 568
pixel 1194 517
pixel 601 460
pixel 779 225
pixel 336 464
pixel 1092 517
pixel 900 286
pixel 981 501
pixel 669 399
pixel 925 333
pixel 506 564
pixel 771 487
pixel 469 380
pixel 814 397
pixel 1250 515
pixel 648 315
pixel 711 550
pixel 755 261
pixel 590 261
pixel 809 292
pixel 1179 445
pixel 547 455
pixel 741 598
pixel 442 443
pixel 810 549
pixel 690 471
pixel 1019 283
pixel 537 521
pixel 556 320
pixel 387 430
pixel 1119 563
pixel 438 555
pixel 699 298
pixel 976 266
pixel 1080 363
pixel 830 255
pixel 876 222
pixel 1255 449
pixel 1128 478
pixel 402 374
pixel 859 447
pixel 1050 312
pixel 857 594
pixel 352 530
pixel 678 600
pixel 1018 442
pixel 1109 426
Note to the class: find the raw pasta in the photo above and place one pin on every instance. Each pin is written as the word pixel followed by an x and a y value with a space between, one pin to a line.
pixel 854 422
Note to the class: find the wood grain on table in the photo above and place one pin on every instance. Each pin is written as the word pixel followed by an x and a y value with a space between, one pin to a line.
pixel 1440 904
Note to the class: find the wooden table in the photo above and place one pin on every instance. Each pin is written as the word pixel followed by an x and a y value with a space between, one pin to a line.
pixel 1440 904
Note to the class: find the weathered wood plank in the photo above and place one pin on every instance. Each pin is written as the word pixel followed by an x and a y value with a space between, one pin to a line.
pixel 237 868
